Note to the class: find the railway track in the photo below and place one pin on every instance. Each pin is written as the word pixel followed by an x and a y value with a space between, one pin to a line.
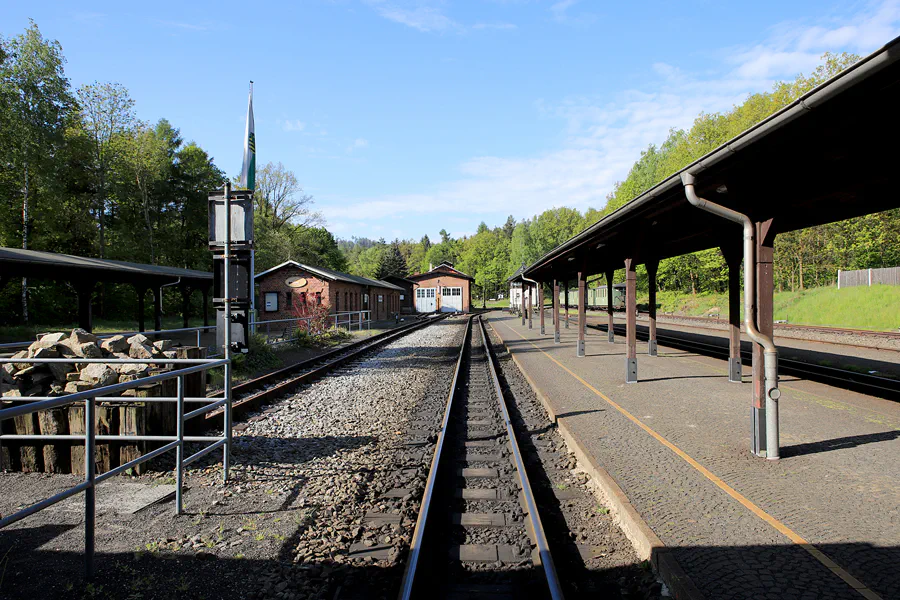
pixel 478 532
pixel 251 395
pixel 882 387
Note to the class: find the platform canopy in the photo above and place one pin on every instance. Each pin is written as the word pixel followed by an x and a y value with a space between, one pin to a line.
pixel 85 272
pixel 830 155
pixel 15 262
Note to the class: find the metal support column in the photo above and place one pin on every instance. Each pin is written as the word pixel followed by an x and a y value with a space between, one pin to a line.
pixel 556 311
pixel 90 494
pixel 611 334
pixel 630 321
pixel 206 307
pixel 652 267
pixel 179 450
pixel 733 260
pixel 765 411
pixel 566 296
pixel 541 305
pixel 582 312
pixel 185 305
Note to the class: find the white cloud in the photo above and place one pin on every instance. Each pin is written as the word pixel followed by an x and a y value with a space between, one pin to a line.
pixel 293 125
pixel 426 17
pixel 357 144
pixel 603 137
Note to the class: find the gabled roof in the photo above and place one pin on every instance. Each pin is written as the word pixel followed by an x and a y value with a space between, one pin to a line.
pixel 331 275
pixel 518 274
pixel 398 278
pixel 445 268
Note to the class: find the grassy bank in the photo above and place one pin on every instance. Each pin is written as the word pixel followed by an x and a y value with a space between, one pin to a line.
pixel 876 308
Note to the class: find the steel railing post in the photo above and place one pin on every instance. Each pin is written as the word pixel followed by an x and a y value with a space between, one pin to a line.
pixel 90 497
pixel 179 451
pixel 226 421
pixel 198 338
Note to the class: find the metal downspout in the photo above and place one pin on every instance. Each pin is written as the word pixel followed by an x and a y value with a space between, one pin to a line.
pixel 770 353
pixel 535 283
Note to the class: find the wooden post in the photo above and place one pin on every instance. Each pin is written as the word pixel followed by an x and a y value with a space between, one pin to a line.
pixel 652 267
pixel 733 260
pixel 206 307
pixel 85 291
pixel 185 304
pixel 582 312
pixel 30 461
pixel 611 333
pixel 556 311
pixel 141 292
pixel 157 308
pixel 765 289
pixel 630 321
pixel 56 455
pixel 541 304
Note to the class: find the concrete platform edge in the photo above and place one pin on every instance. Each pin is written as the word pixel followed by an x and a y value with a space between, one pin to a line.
pixel 646 543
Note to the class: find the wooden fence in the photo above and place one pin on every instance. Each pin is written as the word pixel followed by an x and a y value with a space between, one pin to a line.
pixel 887 276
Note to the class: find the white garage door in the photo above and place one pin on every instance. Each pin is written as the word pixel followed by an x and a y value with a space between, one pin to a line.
pixel 425 300
pixel 451 299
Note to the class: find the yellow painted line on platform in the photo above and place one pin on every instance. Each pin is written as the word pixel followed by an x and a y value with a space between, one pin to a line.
pixel 778 525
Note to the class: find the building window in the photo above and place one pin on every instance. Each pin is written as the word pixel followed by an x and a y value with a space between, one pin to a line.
pixel 271 301
pixel 303 301
pixel 318 298
pixel 380 298
pixel 346 306
pixel 337 302
pixel 287 300
pixel 402 297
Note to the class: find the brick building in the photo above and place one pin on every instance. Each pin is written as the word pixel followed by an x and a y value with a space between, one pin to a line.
pixel 442 289
pixel 291 288
pixel 407 296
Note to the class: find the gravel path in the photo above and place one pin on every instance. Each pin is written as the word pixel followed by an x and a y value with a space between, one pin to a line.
pixel 293 521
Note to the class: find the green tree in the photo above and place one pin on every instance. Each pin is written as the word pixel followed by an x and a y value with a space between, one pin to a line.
pixel 391 262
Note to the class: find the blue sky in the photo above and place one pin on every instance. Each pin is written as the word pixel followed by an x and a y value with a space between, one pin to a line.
pixel 403 117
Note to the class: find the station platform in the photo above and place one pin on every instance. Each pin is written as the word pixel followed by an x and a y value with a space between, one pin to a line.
pixel 822 522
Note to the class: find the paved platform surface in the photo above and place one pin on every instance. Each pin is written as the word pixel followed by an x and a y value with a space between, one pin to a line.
pixel 823 522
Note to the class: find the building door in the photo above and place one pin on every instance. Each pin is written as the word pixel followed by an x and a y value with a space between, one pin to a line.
pixel 426 300
pixel 451 299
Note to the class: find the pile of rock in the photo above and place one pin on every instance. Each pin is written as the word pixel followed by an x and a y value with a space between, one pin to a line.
pixel 56 379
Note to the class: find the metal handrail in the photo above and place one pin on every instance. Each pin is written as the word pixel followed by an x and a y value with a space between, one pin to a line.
pixel 90 437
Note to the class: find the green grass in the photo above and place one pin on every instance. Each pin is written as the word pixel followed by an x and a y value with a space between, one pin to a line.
pixel 876 308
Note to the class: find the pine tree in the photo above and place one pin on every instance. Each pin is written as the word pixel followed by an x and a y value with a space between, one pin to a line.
pixel 391 263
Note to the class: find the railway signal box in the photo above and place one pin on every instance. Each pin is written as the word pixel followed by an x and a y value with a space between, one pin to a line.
pixel 240 277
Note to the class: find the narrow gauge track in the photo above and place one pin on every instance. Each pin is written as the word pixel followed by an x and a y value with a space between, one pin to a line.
pixel 882 387
pixel 478 532
pixel 252 394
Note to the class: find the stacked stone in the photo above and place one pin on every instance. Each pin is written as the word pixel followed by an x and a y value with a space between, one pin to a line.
pixel 57 379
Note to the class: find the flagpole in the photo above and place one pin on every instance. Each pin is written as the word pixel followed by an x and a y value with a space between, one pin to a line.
pixel 252 262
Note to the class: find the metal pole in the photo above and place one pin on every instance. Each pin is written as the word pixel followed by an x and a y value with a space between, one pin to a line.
pixel 567 303
pixel 90 497
pixel 198 338
pixel 556 311
pixel 179 451
pixel 630 322
pixel 530 307
pixel 541 305
pixel 610 332
pixel 652 347
pixel 582 314
pixel 226 451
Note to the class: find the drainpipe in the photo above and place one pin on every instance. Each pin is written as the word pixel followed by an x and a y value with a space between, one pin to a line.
pixel 530 297
pixel 770 352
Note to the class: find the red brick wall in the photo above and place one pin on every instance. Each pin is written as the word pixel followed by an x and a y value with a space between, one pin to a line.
pixel 442 280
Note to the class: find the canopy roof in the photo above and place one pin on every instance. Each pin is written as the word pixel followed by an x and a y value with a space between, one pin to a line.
pixel 15 262
pixel 829 155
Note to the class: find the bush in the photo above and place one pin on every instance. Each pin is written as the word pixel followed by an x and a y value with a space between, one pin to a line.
pixel 261 356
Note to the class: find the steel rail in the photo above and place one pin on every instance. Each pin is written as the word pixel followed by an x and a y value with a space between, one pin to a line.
pixel 537 528
pixel 275 384
pixel 415 548
pixel 842 378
